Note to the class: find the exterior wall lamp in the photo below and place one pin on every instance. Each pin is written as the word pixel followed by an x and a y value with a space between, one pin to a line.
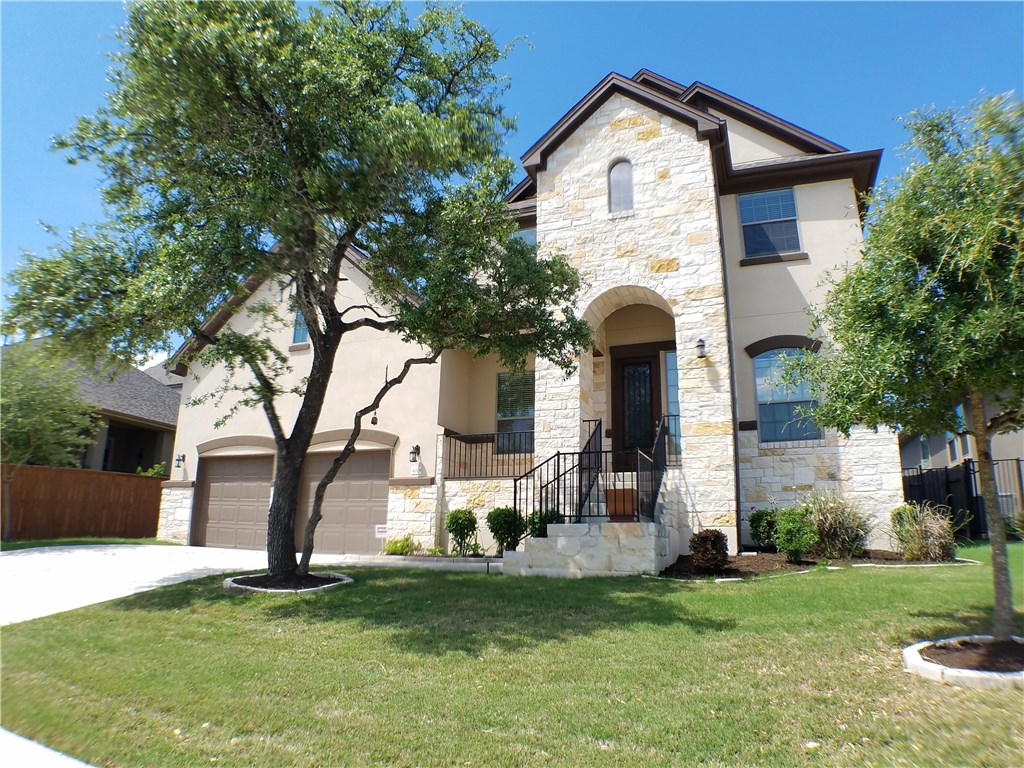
pixel 179 460
pixel 701 349
pixel 414 455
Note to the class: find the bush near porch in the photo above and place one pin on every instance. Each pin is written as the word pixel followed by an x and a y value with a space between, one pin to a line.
pixel 426 668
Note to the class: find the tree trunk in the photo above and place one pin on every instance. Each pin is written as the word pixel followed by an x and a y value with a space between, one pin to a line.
pixel 281 516
pixel 1002 611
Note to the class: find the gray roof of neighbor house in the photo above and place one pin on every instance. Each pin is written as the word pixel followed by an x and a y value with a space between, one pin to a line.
pixel 132 394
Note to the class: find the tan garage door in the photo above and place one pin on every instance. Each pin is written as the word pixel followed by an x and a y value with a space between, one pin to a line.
pixel 234 499
pixel 356 501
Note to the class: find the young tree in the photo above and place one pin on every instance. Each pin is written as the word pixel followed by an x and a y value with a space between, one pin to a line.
pixel 234 127
pixel 43 420
pixel 933 315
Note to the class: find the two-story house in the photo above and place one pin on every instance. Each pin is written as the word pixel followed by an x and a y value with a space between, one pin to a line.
pixel 702 227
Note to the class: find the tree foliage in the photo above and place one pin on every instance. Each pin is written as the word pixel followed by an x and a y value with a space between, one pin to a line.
pixel 933 315
pixel 43 420
pixel 248 141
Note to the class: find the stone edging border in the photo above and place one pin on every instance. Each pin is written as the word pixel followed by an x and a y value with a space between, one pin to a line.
pixel 916 664
pixel 229 583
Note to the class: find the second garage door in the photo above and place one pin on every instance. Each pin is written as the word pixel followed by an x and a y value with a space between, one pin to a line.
pixel 355 503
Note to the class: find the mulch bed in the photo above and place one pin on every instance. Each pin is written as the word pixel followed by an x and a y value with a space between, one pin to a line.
pixel 766 563
pixel 293 581
pixel 996 656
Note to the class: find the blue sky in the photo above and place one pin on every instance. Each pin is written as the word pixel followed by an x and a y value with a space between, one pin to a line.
pixel 842 70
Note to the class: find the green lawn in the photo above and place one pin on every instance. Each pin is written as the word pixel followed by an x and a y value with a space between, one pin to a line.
pixel 7 546
pixel 425 668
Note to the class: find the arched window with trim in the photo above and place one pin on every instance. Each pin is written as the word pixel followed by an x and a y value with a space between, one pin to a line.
pixel 781 409
pixel 620 186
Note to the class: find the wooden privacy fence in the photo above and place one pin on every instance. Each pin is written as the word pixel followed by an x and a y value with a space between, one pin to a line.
pixel 52 503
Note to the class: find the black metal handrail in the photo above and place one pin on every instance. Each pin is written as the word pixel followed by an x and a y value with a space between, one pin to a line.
pixel 626 483
pixel 488 454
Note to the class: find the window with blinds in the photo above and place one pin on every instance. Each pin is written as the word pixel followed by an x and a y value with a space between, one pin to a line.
pixel 515 412
pixel 769 223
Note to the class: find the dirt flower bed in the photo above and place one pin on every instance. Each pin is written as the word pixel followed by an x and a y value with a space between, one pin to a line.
pixel 994 656
pixel 767 563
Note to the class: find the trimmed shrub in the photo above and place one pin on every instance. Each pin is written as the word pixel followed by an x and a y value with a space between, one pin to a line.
pixel 762 528
pixel 796 534
pixel 461 526
pixel 406 545
pixel 842 527
pixel 923 531
pixel 506 526
pixel 537 526
pixel 708 551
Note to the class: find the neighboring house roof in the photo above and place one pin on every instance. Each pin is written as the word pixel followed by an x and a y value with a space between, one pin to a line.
pixel 132 394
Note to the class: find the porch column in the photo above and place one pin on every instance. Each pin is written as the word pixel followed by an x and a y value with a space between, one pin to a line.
pixel 556 409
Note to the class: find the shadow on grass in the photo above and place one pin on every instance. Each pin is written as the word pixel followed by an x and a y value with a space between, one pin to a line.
pixel 969 620
pixel 432 613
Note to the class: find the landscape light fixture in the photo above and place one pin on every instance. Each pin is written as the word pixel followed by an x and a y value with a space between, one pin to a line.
pixel 701 349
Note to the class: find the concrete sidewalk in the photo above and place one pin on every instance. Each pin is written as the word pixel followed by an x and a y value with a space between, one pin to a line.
pixel 46 580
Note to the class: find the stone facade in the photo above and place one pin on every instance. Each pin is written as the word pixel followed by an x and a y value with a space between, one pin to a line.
pixel 589 549
pixel 412 510
pixel 665 252
pixel 481 496
pixel 175 513
pixel 864 468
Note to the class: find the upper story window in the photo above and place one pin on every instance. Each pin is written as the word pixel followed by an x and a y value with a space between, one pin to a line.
pixel 300 334
pixel 515 412
pixel 781 409
pixel 528 236
pixel 620 186
pixel 769 223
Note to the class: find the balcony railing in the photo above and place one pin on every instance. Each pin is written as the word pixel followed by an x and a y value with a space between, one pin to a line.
pixel 488 454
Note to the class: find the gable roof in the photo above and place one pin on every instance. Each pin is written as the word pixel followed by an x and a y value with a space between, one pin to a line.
pixel 227 309
pixel 536 156
pixel 825 160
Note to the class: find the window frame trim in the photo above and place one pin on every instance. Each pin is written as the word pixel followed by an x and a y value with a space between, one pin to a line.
pixel 796 254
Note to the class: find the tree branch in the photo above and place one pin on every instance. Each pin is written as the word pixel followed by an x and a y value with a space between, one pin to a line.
pixel 350 447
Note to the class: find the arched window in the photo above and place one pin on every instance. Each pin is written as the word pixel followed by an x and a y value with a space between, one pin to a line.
pixel 620 186
pixel 781 409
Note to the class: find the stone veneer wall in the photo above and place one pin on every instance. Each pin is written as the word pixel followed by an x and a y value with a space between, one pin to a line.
pixel 588 549
pixel 481 496
pixel 865 468
pixel 175 514
pixel 669 246
pixel 413 509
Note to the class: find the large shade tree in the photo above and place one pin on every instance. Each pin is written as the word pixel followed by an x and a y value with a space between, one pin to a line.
pixel 933 316
pixel 245 142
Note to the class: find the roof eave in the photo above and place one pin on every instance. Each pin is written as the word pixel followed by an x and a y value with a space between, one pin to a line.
pixel 535 158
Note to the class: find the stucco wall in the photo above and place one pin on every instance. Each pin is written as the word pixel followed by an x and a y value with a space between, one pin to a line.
pixel 408 411
pixel 747 144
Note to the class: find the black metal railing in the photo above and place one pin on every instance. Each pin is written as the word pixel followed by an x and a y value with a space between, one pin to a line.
pixel 617 486
pixel 488 454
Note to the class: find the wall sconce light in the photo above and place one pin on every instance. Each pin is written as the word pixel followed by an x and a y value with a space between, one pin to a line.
pixel 414 455
pixel 701 349
pixel 179 460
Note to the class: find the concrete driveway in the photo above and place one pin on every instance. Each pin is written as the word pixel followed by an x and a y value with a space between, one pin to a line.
pixel 47 580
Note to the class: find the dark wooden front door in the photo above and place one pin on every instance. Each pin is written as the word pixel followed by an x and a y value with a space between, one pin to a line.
pixel 636 397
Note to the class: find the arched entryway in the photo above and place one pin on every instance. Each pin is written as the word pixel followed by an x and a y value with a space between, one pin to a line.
pixel 634 377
